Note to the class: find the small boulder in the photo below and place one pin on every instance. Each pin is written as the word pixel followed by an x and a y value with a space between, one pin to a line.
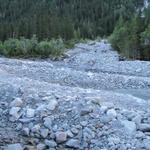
pixel 16 103
pixel 61 137
pixel 50 143
pixel 26 131
pixel 30 113
pixel 15 147
pixel 41 146
pixel 48 122
pixel 130 126
pixel 73 143
pixel 14 112
pixel 74 130
pixel 52 105
pixel 36 128
pixel 112 113
pixel 85 111
pixel 69 134
pixel 146 143
pixel 144 127
pixel 44 132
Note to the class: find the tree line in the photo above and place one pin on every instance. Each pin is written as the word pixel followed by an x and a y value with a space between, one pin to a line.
pixel 62 18
pixel 132 37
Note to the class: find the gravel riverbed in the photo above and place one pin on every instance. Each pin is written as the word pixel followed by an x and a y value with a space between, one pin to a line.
pixel 90 100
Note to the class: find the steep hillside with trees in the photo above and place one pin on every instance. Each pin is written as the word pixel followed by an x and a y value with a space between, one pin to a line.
pixel 132 37
pixel 65 18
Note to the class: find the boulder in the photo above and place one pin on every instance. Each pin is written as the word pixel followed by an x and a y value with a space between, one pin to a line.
pixel 61 137
pixel 15 147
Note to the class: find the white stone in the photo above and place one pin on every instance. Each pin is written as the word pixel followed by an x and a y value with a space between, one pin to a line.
pixel 146 143
pixel 103 108
pixel 69 134
pixel 44 132
pixel 130 126
pixel 36 128
pixel 112 113
pixel 52 105
pixel 41 146
pixel 30 113
pixel 137 119
pixel 16 103
pixel 14 112
pixel 48 122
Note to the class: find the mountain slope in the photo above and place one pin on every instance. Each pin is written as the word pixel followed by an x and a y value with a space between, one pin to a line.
pixel 63 18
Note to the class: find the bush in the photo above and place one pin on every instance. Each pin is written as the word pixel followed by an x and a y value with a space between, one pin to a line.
pixel 12 47
pixel 1 48
pixel 50 48
pixel 32 48
pixel 126 37
pixel 145 36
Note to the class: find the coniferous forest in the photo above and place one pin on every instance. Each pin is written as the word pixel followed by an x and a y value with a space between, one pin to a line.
pixel 75 19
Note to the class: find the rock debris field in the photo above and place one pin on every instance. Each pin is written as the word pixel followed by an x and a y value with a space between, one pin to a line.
pixel 75 103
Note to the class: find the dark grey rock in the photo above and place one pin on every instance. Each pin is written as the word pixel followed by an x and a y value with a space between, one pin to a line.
pixel 85 111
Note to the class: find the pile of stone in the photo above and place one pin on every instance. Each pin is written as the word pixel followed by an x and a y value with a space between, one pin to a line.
pixel 80 124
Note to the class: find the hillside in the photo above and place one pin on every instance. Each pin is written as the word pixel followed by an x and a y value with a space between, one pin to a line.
pixel 68 19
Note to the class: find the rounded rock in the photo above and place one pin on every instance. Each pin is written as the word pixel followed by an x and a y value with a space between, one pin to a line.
pixel 41 146
pixel 61 137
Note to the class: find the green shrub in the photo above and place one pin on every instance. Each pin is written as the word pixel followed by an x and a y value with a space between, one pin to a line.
pixel 57 47
pixel 70 43
pixel 50 48
pixel 32 48
pixel 12 47
pixel 1 48
pixel 22 47
pixel 145 36
pixel 126 37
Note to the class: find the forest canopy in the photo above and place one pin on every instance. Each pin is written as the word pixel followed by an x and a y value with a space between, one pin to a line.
pixel 64 18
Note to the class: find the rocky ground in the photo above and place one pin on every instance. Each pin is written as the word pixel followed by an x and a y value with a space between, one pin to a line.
pixel 72 104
